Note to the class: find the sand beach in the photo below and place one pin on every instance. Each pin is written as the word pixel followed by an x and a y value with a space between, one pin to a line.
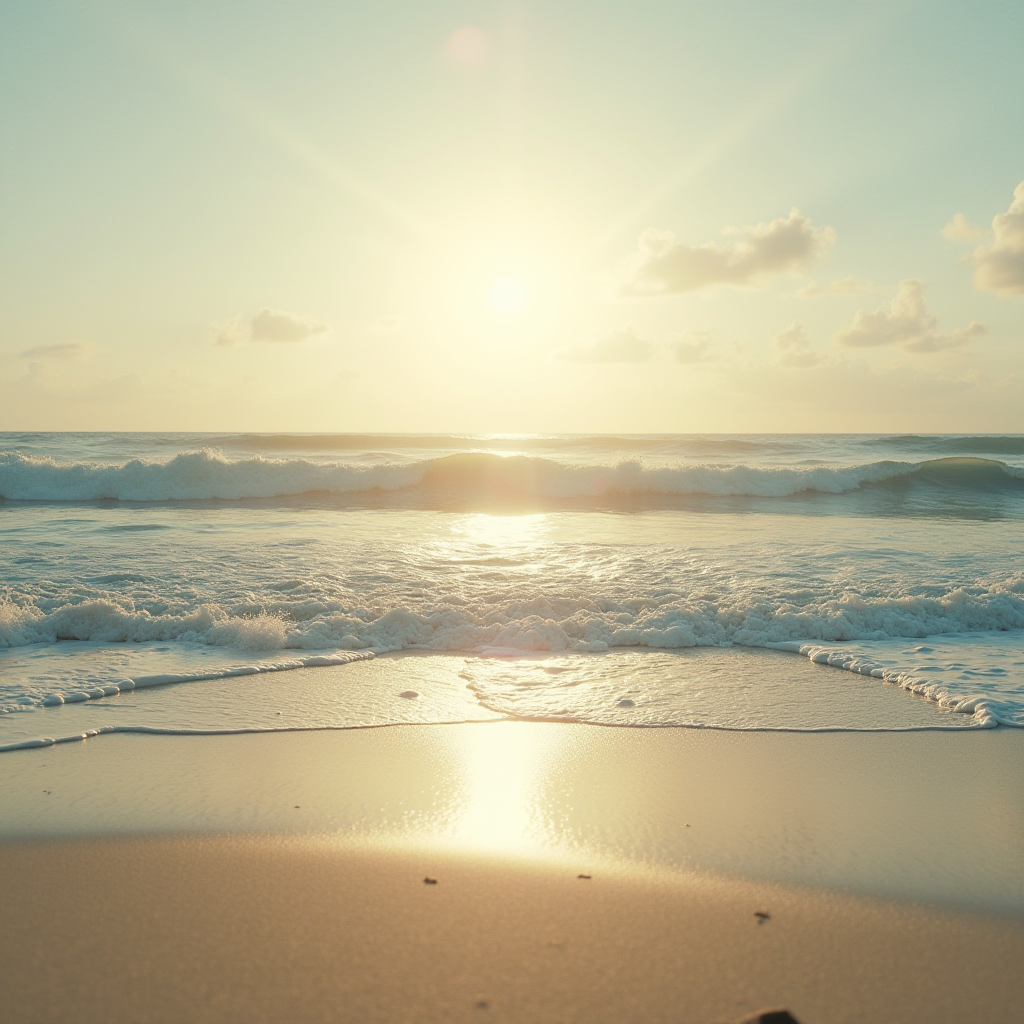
pixel 283 876
pixel 511 511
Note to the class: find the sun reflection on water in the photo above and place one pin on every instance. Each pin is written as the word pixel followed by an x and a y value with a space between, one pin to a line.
pixel 502 531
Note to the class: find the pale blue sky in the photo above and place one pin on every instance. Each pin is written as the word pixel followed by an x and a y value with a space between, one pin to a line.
pixel 168 170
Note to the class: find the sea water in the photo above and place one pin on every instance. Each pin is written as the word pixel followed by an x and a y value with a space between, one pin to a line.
pixel 190 582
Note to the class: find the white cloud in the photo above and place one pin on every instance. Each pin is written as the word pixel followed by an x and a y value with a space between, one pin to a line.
pixel 960 229
pixel 793 349
pixel 905 323
pixel 618 347
pixel 844 286
pixel 271 325
pixel 229 332
pixel 663 266
pixel 275 325
pixel 999 265
pixel 695 348
pixel 59 350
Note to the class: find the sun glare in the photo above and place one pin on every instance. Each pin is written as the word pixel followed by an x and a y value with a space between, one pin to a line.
pixel 508 295
pixel 504 772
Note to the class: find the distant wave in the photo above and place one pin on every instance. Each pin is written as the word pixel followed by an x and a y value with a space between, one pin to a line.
pixel 977 444
pixel 190 476
pixel 342 442
pixel 691 444
pixel 208 475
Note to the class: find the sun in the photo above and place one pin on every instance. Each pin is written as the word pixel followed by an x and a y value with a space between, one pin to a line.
pixel 507 295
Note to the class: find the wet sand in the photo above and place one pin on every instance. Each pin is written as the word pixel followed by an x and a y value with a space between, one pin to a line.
pixel 281 877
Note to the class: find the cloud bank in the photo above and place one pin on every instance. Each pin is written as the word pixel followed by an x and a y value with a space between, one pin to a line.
pixel 59 350
pixel 793 349
pixel 999 265
pixel 617 347
pixel 663 266
pixel 272 325
pixel 906 323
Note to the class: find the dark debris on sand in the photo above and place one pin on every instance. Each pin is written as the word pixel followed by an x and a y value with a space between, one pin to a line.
pixel 776 1016
pixel 429 881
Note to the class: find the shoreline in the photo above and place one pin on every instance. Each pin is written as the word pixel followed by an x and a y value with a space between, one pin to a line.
pixel 828 730
pixel 686 688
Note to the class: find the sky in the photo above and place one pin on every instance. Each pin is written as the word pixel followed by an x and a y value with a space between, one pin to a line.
pixel 512 217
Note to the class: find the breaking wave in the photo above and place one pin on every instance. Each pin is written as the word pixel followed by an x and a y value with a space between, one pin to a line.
pixel 208 475
pixel 542 625
pixel 537 623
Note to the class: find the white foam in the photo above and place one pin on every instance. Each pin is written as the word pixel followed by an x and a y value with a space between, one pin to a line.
pixel 358 691
pixel 510 627
pixel 740 689
pixel 56 698
pixel 959 685
pixel 552 623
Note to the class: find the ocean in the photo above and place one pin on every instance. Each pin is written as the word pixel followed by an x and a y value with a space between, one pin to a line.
pixel 248 582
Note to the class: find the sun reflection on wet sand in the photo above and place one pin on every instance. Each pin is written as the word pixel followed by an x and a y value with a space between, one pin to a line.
pixel 504 773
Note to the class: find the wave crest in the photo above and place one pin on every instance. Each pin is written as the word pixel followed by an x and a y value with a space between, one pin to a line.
pixel 208 475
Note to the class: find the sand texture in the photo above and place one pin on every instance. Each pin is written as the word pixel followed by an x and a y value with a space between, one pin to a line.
pixel 272 929
pixel 280 877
